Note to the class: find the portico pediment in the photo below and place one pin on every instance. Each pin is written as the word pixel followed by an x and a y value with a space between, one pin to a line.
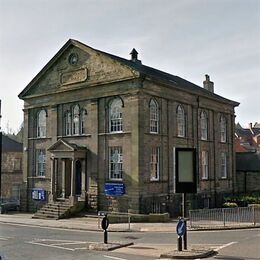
pixel 63 149
pixel 61 145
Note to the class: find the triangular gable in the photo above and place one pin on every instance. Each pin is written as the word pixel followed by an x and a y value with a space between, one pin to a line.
pixel 94 67
pixel 61 145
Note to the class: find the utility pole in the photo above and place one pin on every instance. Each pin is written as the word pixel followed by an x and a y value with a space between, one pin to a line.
pixel 0 153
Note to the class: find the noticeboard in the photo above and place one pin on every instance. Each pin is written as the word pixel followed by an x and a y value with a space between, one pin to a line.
pixel 38 194
pixel 185 159
pixel 114 189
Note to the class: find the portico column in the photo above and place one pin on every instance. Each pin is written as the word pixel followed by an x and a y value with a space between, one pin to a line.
pixel 83 179
pixel 52 195
pixel 55 176
pixel 72 185
pixel 63 178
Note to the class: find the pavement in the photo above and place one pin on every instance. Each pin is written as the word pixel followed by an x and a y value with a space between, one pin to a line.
pixel 94 224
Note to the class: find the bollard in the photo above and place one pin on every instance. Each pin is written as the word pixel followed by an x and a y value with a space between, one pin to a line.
pixel 105 236
pixel 104 225
pixel 179 242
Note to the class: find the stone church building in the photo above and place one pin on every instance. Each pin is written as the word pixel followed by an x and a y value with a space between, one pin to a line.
pixel 103 130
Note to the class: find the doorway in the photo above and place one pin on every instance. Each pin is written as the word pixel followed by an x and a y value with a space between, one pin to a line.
pixel 78 178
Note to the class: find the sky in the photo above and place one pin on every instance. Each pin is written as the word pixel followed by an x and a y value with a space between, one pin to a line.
pixel 188 38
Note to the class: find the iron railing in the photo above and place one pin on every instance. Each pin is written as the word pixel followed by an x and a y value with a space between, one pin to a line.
pixel 224 217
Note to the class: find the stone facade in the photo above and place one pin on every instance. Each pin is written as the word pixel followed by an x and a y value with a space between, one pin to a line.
pixel 12 176
pixel 81 77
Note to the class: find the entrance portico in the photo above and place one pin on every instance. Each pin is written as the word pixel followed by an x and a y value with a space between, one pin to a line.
pixel 68 172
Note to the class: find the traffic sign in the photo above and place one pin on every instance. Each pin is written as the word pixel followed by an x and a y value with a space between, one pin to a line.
pixel 181 227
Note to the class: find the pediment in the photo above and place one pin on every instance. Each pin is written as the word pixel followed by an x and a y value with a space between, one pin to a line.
pixel 62 146
pixel 77 65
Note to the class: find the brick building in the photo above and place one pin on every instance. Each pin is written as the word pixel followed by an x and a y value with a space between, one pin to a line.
pixel 92 119
pixel 12 176
pixel 247 139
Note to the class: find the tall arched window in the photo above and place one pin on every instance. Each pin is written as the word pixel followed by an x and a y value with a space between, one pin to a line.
pixel 83 121
pixel 75 120
pixel 115 115
pixel 41 123
pixel 223 129
pixel 67 123
pixel 181 124
pixel 203 126
pixel 154 117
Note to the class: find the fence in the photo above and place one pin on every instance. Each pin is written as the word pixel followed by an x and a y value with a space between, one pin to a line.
pixel 224 217
pixel 125 216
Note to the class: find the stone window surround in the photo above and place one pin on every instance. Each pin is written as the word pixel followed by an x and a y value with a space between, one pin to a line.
pixel 154 116
pixel 155 164
pixel 115 163
pixel 116 115
pixel 71 126
pixel 203 125
pixel 41 123
pixel 181 121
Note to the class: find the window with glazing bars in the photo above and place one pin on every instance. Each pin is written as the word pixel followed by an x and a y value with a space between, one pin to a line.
pixel 154 117
pixel 115 163
pixel 41 160
pixel 155 164
pixel 115 114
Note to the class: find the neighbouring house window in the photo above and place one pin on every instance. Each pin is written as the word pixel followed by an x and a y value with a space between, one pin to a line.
pixel 155 164
pixel 203 126
pixel 83 120
pixel 115 115
pixel 41 159
pixel 115 163
pixel 75 120
pixel 154 117
pixel 41 123
pixel 205 165
pixel 223 165
pixel 223 129
pixel 181 125
pixel 17 164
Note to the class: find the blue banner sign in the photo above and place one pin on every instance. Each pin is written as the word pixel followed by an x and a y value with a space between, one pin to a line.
pixel 114 189
pixel 38 194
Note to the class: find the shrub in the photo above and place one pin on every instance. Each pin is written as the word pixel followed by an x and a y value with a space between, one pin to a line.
pixel 230 205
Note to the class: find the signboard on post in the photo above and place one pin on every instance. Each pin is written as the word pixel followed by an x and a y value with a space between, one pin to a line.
pixel 185 170
pixel 181 227
pixel 114 189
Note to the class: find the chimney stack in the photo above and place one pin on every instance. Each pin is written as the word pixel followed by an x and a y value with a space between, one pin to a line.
pixel 134 55
pixel 208 85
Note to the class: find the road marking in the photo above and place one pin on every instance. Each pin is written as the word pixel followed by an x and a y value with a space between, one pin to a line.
pixel 3 238
pixel 113 257
pixel 225 245
pixel 68 243
pixel 60 247
pixel 44 227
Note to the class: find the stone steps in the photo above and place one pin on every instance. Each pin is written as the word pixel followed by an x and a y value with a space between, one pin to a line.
pixel 53 210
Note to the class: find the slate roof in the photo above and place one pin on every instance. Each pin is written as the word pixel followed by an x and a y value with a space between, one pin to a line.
pixel 144 70
pixel 10 145
pixel 248 162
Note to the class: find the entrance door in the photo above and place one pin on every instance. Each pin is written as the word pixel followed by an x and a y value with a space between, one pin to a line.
pixel 78 178
pixel 67 178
